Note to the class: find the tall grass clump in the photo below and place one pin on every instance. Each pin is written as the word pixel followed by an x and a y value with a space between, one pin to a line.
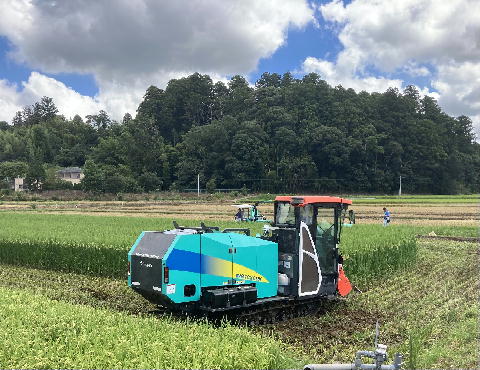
pixel 50 254
pixel 373 250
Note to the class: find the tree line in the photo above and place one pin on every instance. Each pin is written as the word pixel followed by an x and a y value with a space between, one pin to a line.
pixel 281 135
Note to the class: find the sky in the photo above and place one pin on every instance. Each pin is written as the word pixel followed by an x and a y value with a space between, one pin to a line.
pixel 90 55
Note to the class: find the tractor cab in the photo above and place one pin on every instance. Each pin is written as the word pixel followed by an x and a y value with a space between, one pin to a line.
pixel 307 230
pixel 249 213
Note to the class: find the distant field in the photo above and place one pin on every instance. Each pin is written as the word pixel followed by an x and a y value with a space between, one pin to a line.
pixel 416 210
pixel 395 199
pixel 417 199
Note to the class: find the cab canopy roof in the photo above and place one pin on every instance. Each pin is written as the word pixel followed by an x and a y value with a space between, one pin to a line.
pixel 309 199
pixel 242 205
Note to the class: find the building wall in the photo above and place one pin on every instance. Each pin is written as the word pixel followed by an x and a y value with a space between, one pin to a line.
pixel 18 184
pixel 72 177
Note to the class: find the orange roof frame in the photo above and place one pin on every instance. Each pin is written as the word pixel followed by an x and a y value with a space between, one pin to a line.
pixel 309 199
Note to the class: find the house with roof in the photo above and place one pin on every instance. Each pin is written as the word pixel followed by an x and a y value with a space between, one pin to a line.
pixel 71 174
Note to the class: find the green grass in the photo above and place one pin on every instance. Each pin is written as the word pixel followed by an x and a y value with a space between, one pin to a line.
pixel 98 245
pixel 36 332
pixel 373 250
pixel 85 229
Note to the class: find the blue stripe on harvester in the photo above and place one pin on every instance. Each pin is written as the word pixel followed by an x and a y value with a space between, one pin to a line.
pixel 184 261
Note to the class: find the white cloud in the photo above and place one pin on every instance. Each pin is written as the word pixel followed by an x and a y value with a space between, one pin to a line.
pixel 415 70
pixel 9 100
pixel 407 36
pixel 130 44
pixel 458 85
pixel 330 72
pixel 389 34
pixel 334 11
pixel 68 101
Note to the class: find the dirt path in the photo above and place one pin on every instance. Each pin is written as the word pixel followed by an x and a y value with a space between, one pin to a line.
pixel 454 238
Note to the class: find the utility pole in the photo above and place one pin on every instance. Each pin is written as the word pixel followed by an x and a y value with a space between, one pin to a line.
pixel 400 188
pixel 198 185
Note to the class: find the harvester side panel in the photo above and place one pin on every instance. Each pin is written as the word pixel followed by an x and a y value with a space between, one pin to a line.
pixel 183 262
pixel 216 260
pixel 145 259
pixel 256 262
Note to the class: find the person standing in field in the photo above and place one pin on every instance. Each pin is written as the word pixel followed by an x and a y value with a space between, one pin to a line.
pixel 386 216
pixel 239 215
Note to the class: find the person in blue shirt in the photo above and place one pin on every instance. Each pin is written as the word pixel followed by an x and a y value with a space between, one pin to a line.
pixel 386 216
pixel 239 215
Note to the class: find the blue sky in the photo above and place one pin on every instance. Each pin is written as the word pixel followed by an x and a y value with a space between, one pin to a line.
pixel 16 72
pixel 93 56
pixel 300 44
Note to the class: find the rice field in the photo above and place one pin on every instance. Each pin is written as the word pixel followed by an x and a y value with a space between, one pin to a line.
pixel 98 245
pixel 36 332
pixel 63 271
pixel 372 250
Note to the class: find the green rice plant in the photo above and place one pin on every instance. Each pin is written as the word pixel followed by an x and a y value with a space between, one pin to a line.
pixel 92 259
pixel 36 332
pixel 93 245
pixel 98 245
pixel 372 250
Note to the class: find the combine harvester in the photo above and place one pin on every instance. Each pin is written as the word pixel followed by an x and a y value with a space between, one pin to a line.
pixel 289 271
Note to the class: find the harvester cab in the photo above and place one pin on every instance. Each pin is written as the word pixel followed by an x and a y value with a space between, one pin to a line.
pixel 307 230
pixel 288 270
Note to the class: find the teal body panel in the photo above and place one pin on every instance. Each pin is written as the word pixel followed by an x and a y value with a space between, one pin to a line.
pixel 216 263
pixel 210 260
pixel 179 277
pixel 261 256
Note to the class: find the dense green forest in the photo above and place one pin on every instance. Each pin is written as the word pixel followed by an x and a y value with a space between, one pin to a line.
pixel 283 135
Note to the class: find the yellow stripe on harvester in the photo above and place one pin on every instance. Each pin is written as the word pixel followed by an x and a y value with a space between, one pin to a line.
pixel 242 272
